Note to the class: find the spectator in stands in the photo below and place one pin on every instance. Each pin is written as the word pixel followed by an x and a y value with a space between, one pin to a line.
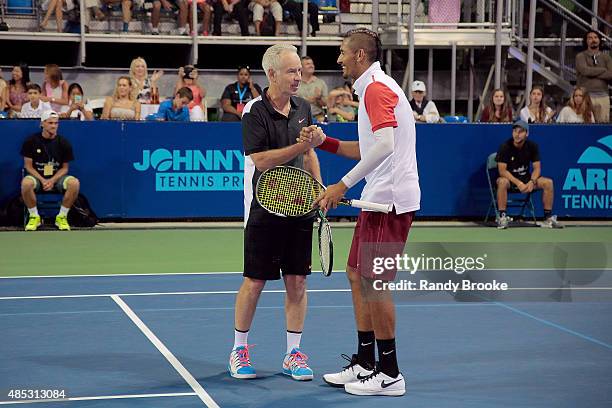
pixel 313 89
pixel 579 108
pixel 537 111
pixel 55 89
pixel 499 109
pixel 35 107
pixel 206 8
pixel 122 105
pixel 53 6
pixel 17 92
pixel 45 159
pixel 188 77
pixel 514 158
pixel 3 92
pixel 594 73
pixel 237 95
pixel 295 8
pixel 339 106
pixel 272 6
pixel 175 110
pixel 424 111
pixel 237 9
pixel 77 109
pixel 156 13
pixel 144 87
pixel 126 12
pixel 93 6
pixel 167 5
pixel 348 87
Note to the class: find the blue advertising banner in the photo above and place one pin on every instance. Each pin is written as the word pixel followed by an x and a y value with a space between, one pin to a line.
pixel 189 170
pixel 183 170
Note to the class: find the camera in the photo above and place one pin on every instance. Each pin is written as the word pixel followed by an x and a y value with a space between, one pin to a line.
pixel 187 70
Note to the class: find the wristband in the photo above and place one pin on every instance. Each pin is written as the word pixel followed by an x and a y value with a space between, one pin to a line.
pixel 330 145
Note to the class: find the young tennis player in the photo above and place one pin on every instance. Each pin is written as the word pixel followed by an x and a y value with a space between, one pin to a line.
pixel 387 160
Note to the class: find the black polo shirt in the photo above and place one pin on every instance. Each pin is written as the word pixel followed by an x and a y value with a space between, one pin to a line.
pixel 263 128
pixel 56 151
pixel 518 160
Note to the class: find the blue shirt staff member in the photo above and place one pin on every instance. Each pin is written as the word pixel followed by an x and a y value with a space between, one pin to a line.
pixel 271 124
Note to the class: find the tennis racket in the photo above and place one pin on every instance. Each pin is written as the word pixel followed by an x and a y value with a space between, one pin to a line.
pixel 290 192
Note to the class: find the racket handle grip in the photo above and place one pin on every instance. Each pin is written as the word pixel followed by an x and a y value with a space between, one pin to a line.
pixel 366 205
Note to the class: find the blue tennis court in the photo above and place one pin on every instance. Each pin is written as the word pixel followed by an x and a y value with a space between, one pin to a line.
pixel 163 341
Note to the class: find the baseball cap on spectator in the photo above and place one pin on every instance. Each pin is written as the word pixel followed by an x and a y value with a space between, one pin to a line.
pixel 46 115
pixel 418 86
pixel 521 124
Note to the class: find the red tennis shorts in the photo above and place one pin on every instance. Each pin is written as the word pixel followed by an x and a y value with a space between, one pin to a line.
pixel 377 238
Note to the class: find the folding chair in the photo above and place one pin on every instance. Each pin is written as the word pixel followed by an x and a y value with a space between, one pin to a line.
pixel 48 203
pixel 523 202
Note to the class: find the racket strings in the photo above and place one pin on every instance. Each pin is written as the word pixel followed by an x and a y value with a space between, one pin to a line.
pixel 287 191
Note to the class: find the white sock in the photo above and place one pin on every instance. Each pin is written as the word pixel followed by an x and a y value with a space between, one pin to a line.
pixel 155 30
pixel 64 211
pixel 240 338
pixel 293 340
pixel 182 30
pixel 33 211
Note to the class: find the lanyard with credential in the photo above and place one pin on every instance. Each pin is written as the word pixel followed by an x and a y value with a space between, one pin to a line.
pixel 48 169
pixel 241 94
pixel 49 157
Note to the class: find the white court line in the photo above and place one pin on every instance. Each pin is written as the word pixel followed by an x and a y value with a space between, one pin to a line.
pixel 593 288
pixel 106 275
pixel 233 292
pixel 198 309
pixel 105 397
pixel 218 292
pixel 114 275
pixel 193 383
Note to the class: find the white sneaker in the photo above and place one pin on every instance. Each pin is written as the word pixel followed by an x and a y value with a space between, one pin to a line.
pixel 351 373
pixel 551 222
pixel 502 222
pixel 378 384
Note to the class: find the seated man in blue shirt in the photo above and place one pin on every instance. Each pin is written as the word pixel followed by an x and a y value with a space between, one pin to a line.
pixel 175 110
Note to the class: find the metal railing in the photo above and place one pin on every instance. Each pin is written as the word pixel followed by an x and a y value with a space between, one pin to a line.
pixel 563 70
